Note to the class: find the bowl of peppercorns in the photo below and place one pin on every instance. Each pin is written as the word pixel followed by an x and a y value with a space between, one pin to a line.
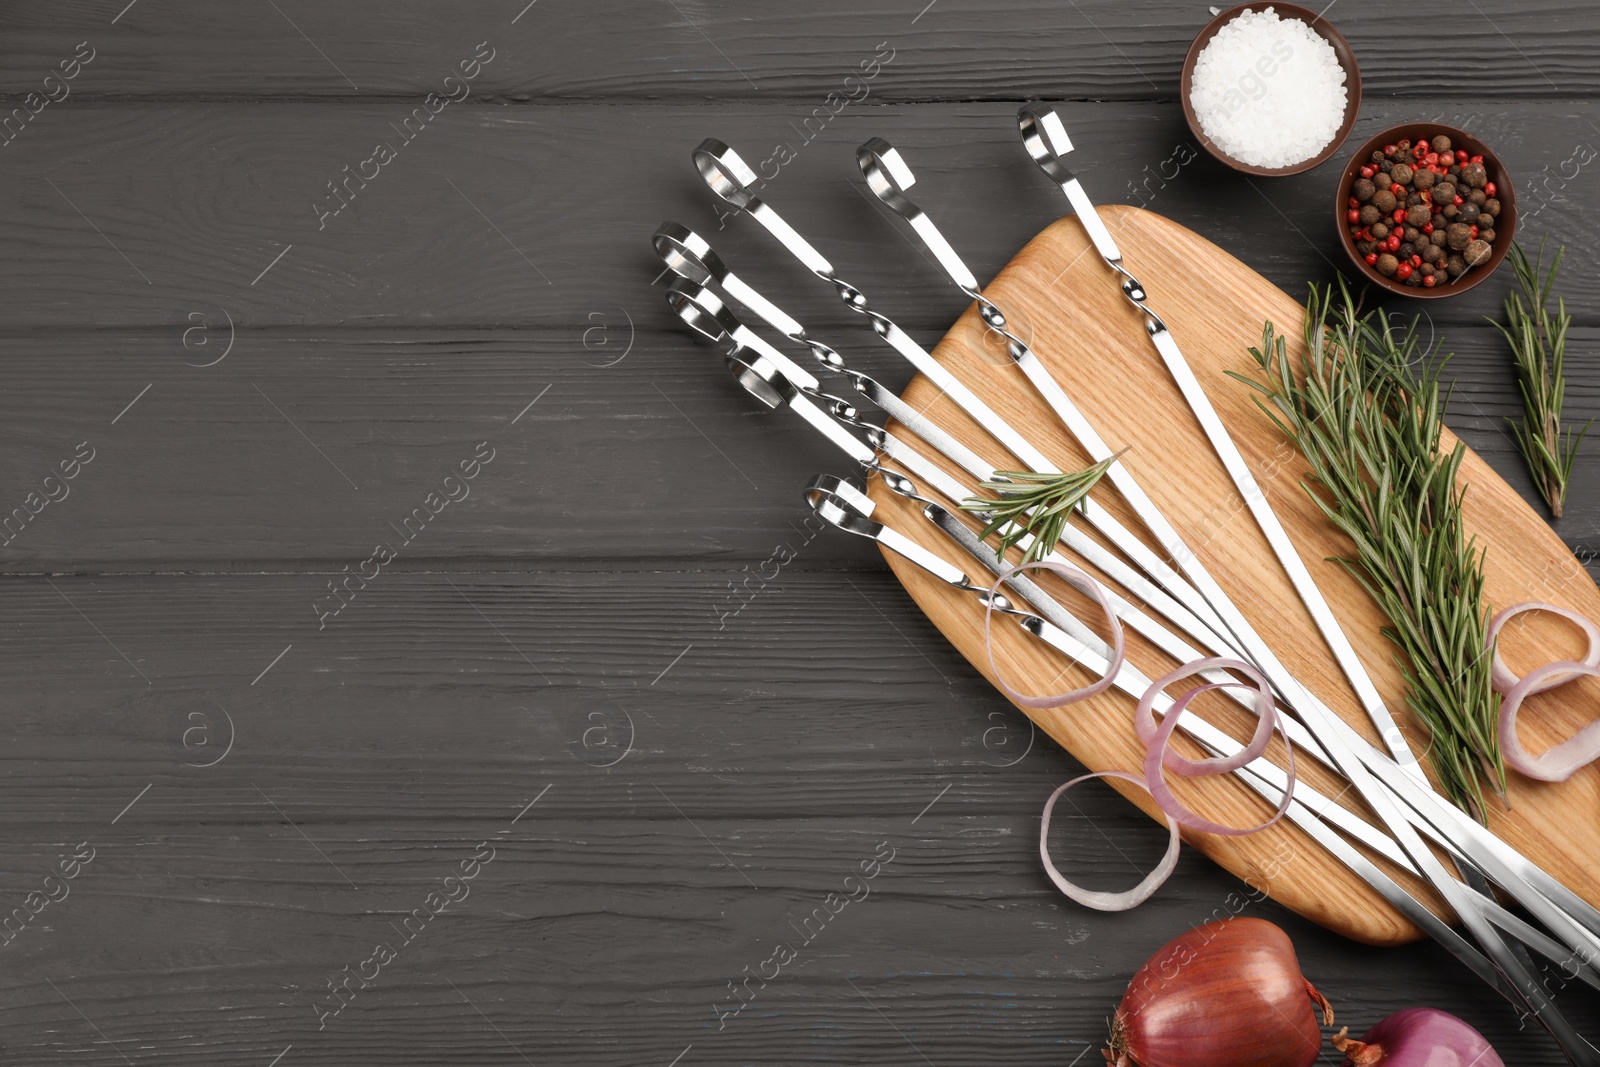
pixel 1426 210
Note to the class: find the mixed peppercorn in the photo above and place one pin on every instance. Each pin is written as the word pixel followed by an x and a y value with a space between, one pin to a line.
pixel 1421 213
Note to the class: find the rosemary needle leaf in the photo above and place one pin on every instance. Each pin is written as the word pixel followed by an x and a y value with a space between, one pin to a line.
pixel 1036 503
pixel 1363 405
pixel 1538 341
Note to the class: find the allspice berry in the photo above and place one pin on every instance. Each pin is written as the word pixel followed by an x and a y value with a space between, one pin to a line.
pixel 1491 207
pixel 1411 234
pixel 1444 193
pixel 1419 215
pixel 1486 235
pixel 1401 173
pixel 1383 200
pixel 1477 196
pixel 1456 266
pixel 1387 265
pixel 1477 252
pixel 1458 235
pixel 1369 214
pixel 1474 175
pixel 1469 213
pixel 1431 253
pixel 1379 230
pixel 1363 189
pixel 1441 143
pixel 1437 237
pixel 1424 179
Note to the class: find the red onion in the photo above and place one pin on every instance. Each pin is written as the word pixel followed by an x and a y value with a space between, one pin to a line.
pixel 1094 898
pixel 1559 762
pixel 1562 761
pixel 1226 994
pixel 1501 678
pixel 1090 588
pixel 1157 754
pixel 1418 1037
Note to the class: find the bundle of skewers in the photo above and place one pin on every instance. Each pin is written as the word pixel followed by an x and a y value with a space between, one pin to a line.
pixel 1008 526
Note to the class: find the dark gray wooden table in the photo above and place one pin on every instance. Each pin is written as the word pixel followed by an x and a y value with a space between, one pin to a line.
pixel 570 750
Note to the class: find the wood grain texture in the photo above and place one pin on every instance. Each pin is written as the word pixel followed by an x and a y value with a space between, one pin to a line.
pixel 610 920
pixel 520 217
pixel 724 51
pixel 1074 314
pixel 794 722
pixel 678 462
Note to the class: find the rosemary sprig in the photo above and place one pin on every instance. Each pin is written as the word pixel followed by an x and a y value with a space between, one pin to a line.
pixel 1538 341
pixel 1036 503
pixel 1369 427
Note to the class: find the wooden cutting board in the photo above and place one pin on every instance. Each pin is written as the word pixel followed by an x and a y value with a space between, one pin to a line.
pixel 1060 296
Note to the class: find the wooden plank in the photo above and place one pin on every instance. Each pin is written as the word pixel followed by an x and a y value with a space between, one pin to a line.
pixel 606 927
pixel 946 49
pixel 541 216
pixel 637 449
pixel 1139 407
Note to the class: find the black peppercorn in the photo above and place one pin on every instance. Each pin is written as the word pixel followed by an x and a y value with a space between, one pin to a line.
pixel 1414 278
pixel 1377 157
pixel 1441 143
pixel 1407 249
pixel 1387 265
pixel 1458 236
pixel 1385 166
pixel 1363 189
pixel 1469 213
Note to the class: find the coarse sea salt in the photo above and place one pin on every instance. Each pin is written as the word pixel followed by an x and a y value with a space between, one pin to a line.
pixel 1268 91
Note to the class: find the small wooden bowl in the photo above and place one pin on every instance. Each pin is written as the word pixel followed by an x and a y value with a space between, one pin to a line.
pixel 1319 26
pixel 1505 226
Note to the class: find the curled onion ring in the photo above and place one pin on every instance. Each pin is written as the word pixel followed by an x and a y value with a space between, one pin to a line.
pixel 1089 587
pixel 1094 898
pixel 1156 752
pixel 1559 762
pixel 1501 677
pixel 1144 722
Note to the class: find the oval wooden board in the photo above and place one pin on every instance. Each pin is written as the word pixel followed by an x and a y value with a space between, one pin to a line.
pixel 1061 297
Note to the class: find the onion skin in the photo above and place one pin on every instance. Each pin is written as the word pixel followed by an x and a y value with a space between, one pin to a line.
pixel 1226 994
pixel 1419 1037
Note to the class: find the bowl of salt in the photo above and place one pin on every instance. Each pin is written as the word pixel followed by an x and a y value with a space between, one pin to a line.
pixel 1270 89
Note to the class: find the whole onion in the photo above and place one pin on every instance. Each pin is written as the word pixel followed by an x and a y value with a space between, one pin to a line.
pixel 1226 994
pixel 1419 1037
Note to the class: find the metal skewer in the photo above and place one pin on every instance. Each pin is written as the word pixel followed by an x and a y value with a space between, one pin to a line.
pixel 1046 140
pixel 1581 940
pixel 840 504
